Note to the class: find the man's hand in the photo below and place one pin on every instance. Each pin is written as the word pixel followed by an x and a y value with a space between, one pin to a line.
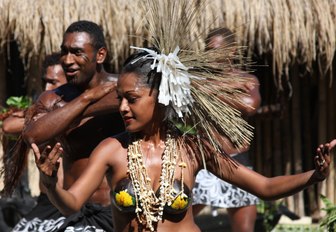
pixel 99 91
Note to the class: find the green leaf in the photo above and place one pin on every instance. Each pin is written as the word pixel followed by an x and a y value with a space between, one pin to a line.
pixel 21 102
pixel 329 220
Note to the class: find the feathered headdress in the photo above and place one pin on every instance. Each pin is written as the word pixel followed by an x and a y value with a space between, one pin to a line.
pixel 194 82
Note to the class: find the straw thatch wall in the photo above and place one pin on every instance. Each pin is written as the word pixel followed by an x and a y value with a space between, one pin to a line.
pixel 292 30
pixel 296 38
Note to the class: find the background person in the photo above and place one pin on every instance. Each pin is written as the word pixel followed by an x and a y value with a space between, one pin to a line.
pixel 209 189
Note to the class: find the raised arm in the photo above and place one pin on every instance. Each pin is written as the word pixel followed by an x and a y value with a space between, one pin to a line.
pixel 71 200
pixel 107 104
pixel 280 186
pixel 54 122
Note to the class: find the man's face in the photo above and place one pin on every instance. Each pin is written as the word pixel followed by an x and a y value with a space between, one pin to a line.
pixel 54 77
pixel 78 58
pixel 215 42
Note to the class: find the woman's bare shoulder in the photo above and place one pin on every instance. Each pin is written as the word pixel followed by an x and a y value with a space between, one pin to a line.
pixel 113 145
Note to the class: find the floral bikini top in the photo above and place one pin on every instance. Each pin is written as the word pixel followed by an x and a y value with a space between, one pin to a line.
pixel 124 198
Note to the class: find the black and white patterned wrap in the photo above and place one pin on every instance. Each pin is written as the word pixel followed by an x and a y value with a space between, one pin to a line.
pixel 212 191
pixel 46 218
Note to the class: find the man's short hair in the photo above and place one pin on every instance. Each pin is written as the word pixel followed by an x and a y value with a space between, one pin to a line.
pixel 51 60
pixel 93 29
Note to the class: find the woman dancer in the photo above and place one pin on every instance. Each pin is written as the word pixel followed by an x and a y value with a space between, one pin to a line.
pixel 151 168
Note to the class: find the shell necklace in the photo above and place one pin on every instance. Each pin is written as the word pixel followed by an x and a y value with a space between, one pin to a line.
pixel 149 207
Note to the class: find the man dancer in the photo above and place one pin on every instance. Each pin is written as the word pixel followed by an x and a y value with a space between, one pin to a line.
pixel 79 115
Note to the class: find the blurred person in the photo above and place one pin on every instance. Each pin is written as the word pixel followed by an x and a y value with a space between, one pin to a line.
pixel 209 189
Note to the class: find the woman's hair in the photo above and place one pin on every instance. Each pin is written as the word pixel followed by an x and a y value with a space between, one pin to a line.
pixel 137 63
pixel 15 161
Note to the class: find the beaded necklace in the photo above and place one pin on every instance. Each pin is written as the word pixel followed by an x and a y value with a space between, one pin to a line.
pixel 149 207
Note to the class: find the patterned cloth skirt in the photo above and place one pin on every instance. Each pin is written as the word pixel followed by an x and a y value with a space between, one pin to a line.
pixel 212 191
pixel 46 218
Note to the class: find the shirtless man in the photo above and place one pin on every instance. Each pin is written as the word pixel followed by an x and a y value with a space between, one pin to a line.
pixel 210 190
pixel 79 115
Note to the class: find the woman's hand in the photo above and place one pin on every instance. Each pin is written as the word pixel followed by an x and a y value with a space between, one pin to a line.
pixel 48 163
pixel 322 160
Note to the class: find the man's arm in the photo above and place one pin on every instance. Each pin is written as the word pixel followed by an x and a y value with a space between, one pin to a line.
pixel 107 104
pixel 13 125
pixel 250 102
pixel 249 99
pixel 54 122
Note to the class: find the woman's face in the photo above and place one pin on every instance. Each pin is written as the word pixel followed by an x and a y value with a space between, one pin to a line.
pixel 138 103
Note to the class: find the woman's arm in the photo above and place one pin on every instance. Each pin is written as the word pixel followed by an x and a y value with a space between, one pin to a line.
pixel 279 186
pixel 71 200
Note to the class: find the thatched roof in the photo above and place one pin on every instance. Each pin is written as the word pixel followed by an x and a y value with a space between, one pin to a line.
pixel 292 30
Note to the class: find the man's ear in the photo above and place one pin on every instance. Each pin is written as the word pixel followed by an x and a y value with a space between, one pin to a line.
pixel 101 55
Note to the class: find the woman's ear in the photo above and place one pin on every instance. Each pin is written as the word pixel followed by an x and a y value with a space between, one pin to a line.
pixel 101 55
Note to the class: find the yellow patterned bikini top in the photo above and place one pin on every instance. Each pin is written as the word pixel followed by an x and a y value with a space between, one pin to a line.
pixel 124 199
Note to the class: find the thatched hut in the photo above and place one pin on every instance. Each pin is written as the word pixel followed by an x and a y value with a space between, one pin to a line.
pixel 292 43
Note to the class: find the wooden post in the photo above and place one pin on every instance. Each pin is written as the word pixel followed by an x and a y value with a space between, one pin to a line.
pixel 296 138
pixel 3 82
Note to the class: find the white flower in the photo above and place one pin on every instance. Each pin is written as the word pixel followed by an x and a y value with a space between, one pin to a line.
pixel 175 83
